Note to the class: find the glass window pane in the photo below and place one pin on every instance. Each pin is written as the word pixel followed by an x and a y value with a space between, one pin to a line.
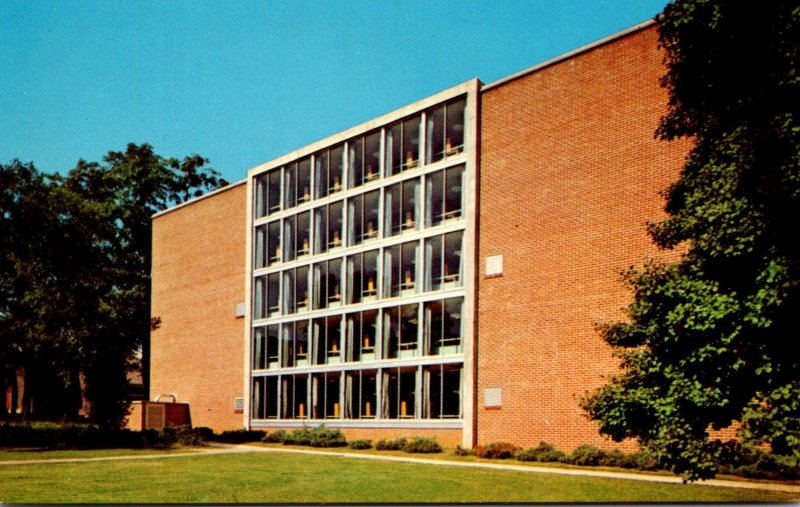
pixel 453 265
pixel 259 349
pixel 454 137
pixel 321 183
pixel 370 217
pixel 303 233
pixel 435 135
pixel 355 216
pixel 260 196
pixel 394 149
pixel 435 204
pixel 272 346
pixel 393 210
pixel 301 291
pixel 408 268
pixel 289 296
pixel 273 242
pixel 370 276
pixel 289 238
pixel 372 156
pixel 336 169
pixel 411 131
pixel 453 192
pixel 354 279
pixel 334 284
pixel 304 180
pixel 260 247
pixel 335 232
pixel 274 191
pixel 290 186
pixel 355 149
pixel 273 290
pixel 321 229
pixel 433 265
pixel 410 191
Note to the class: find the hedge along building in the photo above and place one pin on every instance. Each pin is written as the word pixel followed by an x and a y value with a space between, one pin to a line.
pixel 436 271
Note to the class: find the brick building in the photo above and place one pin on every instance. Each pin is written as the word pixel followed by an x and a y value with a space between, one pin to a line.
pixel 438 270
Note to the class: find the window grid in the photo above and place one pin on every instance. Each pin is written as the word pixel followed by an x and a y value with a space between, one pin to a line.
pixel 334 235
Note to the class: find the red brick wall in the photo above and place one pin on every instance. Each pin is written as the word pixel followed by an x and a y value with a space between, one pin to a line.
pixel 198 278
pixel 570 174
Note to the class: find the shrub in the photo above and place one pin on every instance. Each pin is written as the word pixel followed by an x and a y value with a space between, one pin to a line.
pixel 391 445
pixel 422 445
pixel 276 437
pixel 360 444
pixel 587 455
pixel 460 451
pixel 496 450
pixel 543 453
pixel 240 436
pixel 315 437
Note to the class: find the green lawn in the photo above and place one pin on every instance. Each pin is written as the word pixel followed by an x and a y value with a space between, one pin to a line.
pixel 294 478
pixel 38 454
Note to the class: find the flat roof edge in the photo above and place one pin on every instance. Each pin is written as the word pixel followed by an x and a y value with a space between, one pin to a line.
pixel 570 54
pixel 227 187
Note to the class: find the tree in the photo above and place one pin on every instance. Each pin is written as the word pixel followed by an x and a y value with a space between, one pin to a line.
pixel 710 339
pixel 113 203
pixel 76 265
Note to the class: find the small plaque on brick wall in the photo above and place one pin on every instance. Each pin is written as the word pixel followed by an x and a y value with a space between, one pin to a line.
pixel 494 265
pixel 240 309
pixel 493 397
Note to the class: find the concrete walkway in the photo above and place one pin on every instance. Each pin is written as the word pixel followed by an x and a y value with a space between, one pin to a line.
pixel 234 449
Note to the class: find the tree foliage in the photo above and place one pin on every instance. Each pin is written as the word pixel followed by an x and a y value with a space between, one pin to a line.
pixel 76 270
pixel 711 339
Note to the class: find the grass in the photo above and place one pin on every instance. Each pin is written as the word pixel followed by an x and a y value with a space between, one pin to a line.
pixel 27 454
pixel 295 478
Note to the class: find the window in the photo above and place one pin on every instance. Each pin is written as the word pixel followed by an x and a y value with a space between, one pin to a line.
pixel 402 146
pixel 400 208
pixel 400 269
pixel 328 340
pixel 265 347
pixel 295 343
pixel 328 167
pixel 325 395
pixel 304 180
pixel 303 236
pixel 361 335
pixel 442 334
pixel 441 391
pixel 443 261
pixel 400 331
pixel 362 218
pixel 445 131
pixel 290 238
pixel 361 394
pixel 265 296
pixel 295 290
pixel 290 186
pixel 268 193
pixel 295 397
pixel 328 227
pixel 362 277
pixel 265 398
pixel 328 284
pixel 364 159
pixel 267 244
pixel 444 195
pixel 399 393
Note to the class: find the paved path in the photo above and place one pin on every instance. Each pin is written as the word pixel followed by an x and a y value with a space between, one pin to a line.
pixel 232 449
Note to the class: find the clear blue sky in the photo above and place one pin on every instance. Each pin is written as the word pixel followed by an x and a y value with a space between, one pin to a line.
pixel 244 82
